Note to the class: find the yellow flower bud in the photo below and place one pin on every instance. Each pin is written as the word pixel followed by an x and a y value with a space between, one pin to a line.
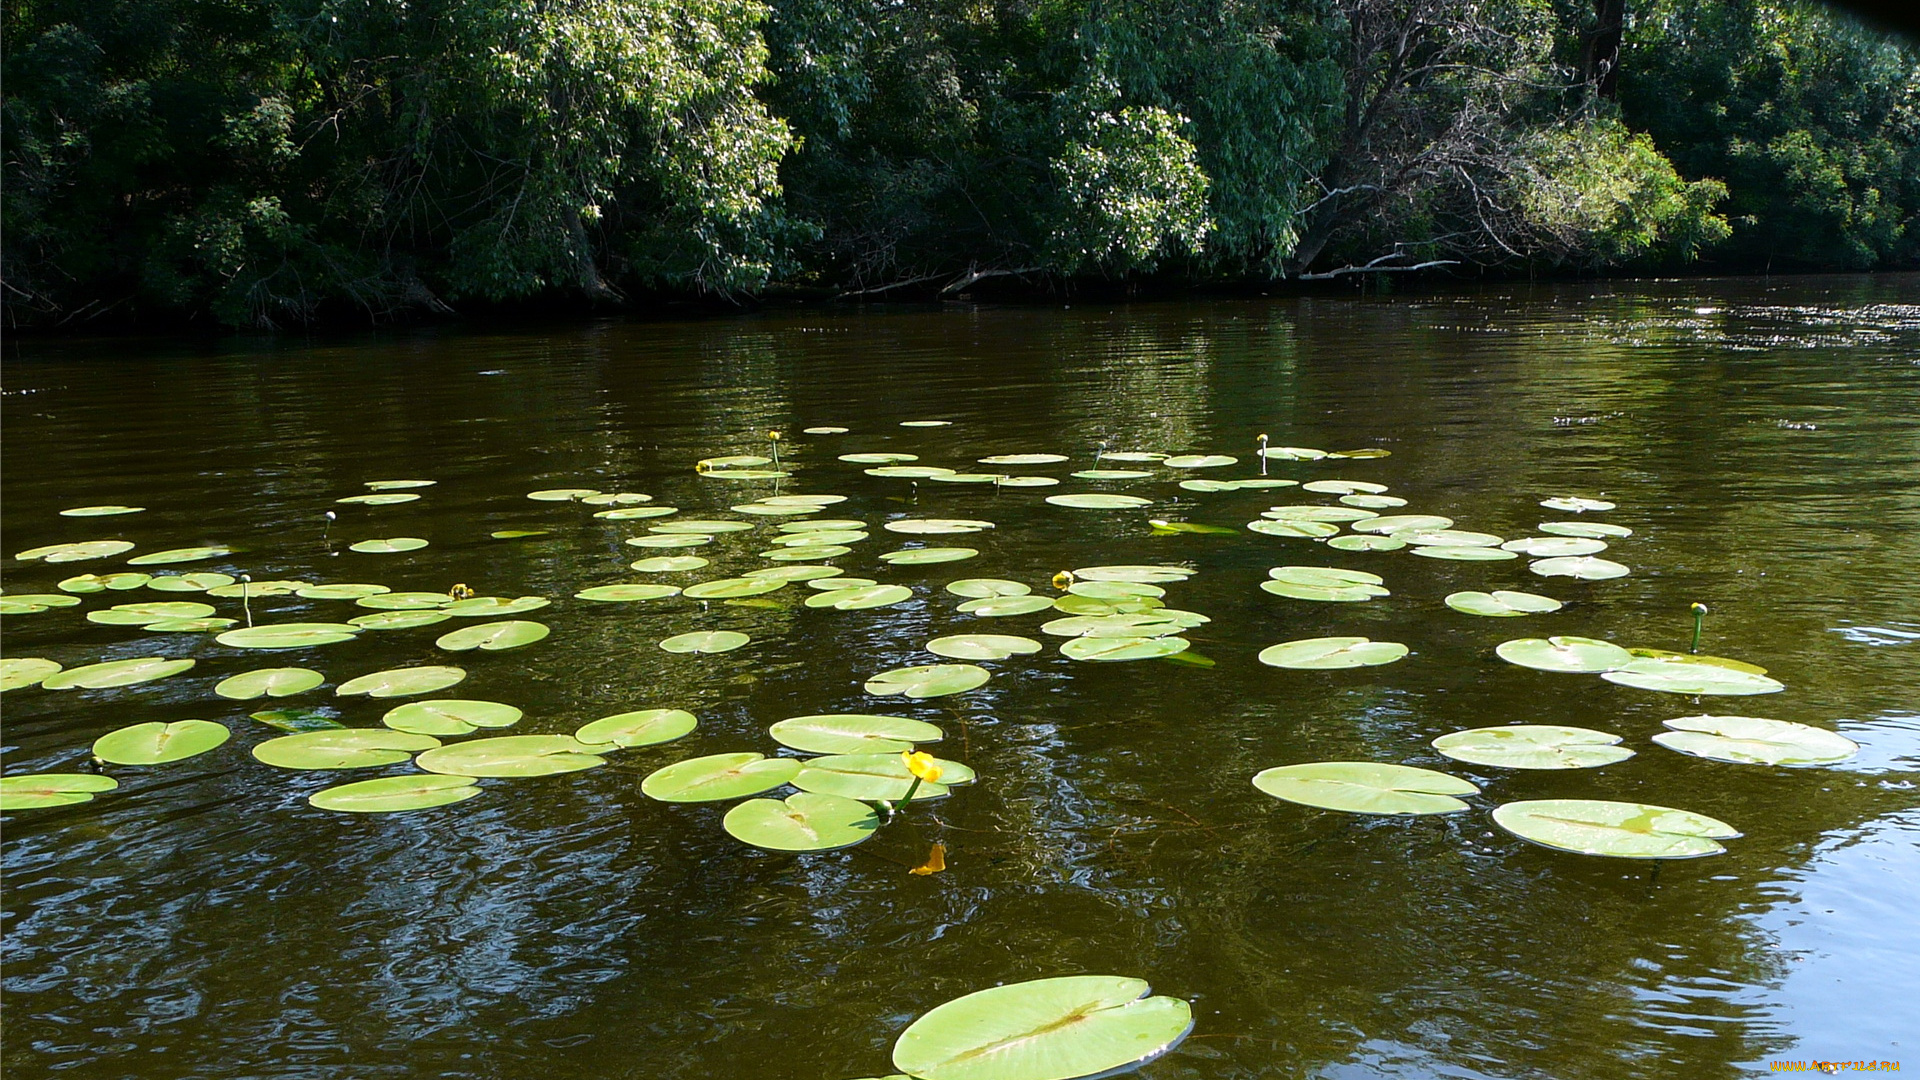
pixel 920 764
pixel 1063 579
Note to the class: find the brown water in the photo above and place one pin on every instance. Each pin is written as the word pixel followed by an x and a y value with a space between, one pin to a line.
pixel 1761 438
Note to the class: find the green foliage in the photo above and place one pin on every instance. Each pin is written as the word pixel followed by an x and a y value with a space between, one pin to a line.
pixel 1596 194
pixel 1812 121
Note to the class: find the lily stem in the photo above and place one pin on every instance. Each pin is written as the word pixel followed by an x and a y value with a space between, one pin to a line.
pixel 1699 620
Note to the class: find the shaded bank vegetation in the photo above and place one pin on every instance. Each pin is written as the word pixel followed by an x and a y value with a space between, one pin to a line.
pixel 279 161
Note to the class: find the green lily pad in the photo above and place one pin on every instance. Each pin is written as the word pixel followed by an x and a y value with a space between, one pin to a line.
pixel 1697 658
pixel 1332 652
pixel 705 641
pixel 822 525
pixel 908 472
pixel 1597 530
pixel 928 680
pixel 1577 655
pixel 733 461
pixel 201 581
pixel 514 756
pixel 618 594
pixel 288 635
pixel 1115 590
pixel 726 588
pixel 490 607
pixel 269 682
pixel 494 636
pixel 719 776
pixel 450 716
pixel 1200 461
pixel 1682 677
pixel 616 498
pixel 982 646
pixel 257 590
pixel 340 592
pixel 1096 501
pixel 925 556
pixel 1112 474
pixel 668 564
pixel 1463 553
pixel 1501 603
pixel 297 720
pixel 1323 583
pixel 561 494
pixel 1122 648
pixel 1366 542
pixel 1366 787
pixel 837 582
pixel 1294 453
pixel 1752 740
pixel 65 553
pixel 1554 547
pixel 383 498
pixel 794 573
pixel 1142 575
pixel 19 672
pixel 803 500
pixel 402 682
pixel 745 474
pixel 1023 459
pixel 159 743
pixel 637 513
pixel 1047 1029
pixel 394 794
pixel 937 526
pixel 36 791
pixel 644 727
pixel 1000 606
pixel 398 620
pixel 1132 455
pixel 398 485
pixel 852 733
pixel 1294 529
pixel 806 553
pixel 180 555
pixel 825 429
pixel 189 626
pixel 1576 504
pixel 1337 515
pixel 951 477
pixel 669 540
pixel 701 526
pixel 1619 829
pixel 857 598
pixel 115 673
pixel 92 583
pixel 1089 605
pixel 388 546
pixel 1534 746
pixel 142 614
pixel 33 603
pixel 1028 481
pixel 345 748
pixel 774 509
pixel 983 587
pixel 1450 538
pixel 805 821
pixel 1162 527
pixel 101 511
pixel 405 601
pixel 1403 523
pixel 878 459
pixel 875 777
pixel 1138 625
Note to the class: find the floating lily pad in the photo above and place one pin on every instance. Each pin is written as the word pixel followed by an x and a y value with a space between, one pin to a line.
pixel 1200 461
pixel 878 458
pixel 258 589
pixel 705 641
pixel 668 564
pixel 1373 502
pixel 1023 459
pixel 805 821
pixel 115 673
pixel 702 526
pixel 65 553
pixel 1331 514
pixel 340 592
pixel 928 680
pixel 1343 487
pixel 745 474
pixel 1697 658
pixel 926 423
pixel 908 472
pixel 195 582
pixel 1751 740
pixel 774 509
pixel 561 494
pixel 402 682
pixel 852 733
pixel 288 635
pixel 494 636
pixel 1143 575
pixel 1597 530
pixel 450 716
pixel 179 555
pixel 189 626
pixel 388 546
pixel 1366 787
pixel 1028 481
pixel 927 556
pixel 857 598
pixel 825 429
pixel 297 720
pixel 875 777
pixel 1294 528
pixel 1620 829
pixel 1577 655
pixel 19 672
pixel 1463 553
pixel 142 614
pixel 398 620
pixel 1681 677
pixel 1047 1029
pixel 32 603
pixel 1323 583
pixel 1112 474
pixel 1576 504
pixel 1449 538
pixel 1553 547
pixel 1534 746
pixel 1095 501
pixel 159 743
pixel 1332 652
pixel 514 756
pixel 617 594
pixel 36 791
pixel 984 587
pixel 803 500
pixel 405 601
pixel 616 498
pixel 386 498
pixel 398 485
pixel 1390 524
pixel 344 748
pixel 669 540
pixel 1089 605
pixel 1501 603
pixel 1292 453
pixel 637 513
pixel 822 525
pixel 1122 648
pixel 837 582
pixel 806 553
pixel 643 727
pixel 101 511
pixel 719 776
pixel 395 794
pixel 269 682
pixel 1161 526
pixel 1366 542
pixel 494 606
pixel 982 646
pixel 1140 625
pixel 1000 606
pixel 1132 455
pixel 934 526
pixel 730 587
pixel 520 534
pixel 120 582
pixel 733 461
pixel 795 573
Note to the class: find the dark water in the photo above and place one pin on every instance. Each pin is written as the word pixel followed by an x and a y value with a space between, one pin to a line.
pixel 1762 439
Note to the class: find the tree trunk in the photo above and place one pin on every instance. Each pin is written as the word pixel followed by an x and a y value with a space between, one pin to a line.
pixel 1600 47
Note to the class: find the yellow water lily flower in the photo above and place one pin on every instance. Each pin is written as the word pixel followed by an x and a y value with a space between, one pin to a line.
pixel 921 765
pixel 1063 579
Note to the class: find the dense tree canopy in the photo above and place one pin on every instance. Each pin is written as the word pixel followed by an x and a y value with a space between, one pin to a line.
pixel 271 161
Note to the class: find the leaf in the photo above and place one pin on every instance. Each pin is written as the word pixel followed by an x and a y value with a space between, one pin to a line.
pixel 494 636
pixel 705 641
pixel 345 748
pixel 158 743
pixel 644 727
pixel 928 680
pixel 512 756
pixel 35 791
pixel 450 716
pixel 852 733
pixel 806 821
pixel 718 776
pixel 1046 1029
pixel 115 673
pixel 402 682
pixel 1533 746
pixel 1332 652
pixel 1753 740
pixel 1366 787
pixel 1619 829
pixel 269 682
pixel 393 794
